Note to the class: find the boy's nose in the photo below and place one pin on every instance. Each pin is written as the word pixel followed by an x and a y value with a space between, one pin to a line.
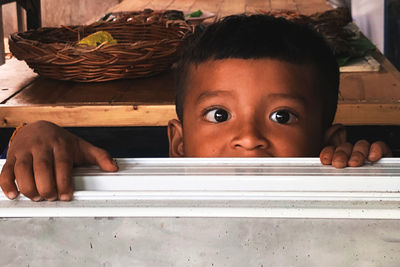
pixel 249 137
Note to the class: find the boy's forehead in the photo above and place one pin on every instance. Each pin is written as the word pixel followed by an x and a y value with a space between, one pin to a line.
pixel 263 75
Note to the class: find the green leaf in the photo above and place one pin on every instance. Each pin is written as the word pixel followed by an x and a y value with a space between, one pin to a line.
pixel 342 60
pixel 97 38
pixel 362 46
pixel 196 14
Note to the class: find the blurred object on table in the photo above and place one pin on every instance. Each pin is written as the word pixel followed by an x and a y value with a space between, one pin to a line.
pixel 340 3
pixel 344 37
pixel 198 17
pixel 143 16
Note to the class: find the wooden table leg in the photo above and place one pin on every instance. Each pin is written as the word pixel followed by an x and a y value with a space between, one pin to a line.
pixel 33 15
pixel 20 18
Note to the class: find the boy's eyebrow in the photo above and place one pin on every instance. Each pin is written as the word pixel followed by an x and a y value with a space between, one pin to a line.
pixel 289 96
pixel 213 93
pixel 207 94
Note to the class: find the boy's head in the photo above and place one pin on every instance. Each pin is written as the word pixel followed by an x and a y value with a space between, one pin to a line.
pixel 254 86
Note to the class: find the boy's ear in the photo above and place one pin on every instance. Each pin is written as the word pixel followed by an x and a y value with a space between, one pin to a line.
pixel 175 137
pixel 335 135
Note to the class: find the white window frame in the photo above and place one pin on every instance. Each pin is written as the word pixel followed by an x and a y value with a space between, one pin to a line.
pixel 225 187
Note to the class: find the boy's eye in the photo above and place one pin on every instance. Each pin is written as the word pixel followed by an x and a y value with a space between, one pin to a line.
pixel 283 117
pixel 217 115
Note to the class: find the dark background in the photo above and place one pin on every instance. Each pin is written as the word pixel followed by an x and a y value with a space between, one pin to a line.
pixel 392 32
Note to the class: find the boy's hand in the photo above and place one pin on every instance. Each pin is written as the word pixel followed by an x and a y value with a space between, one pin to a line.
pixel 354 156
pixel 40 160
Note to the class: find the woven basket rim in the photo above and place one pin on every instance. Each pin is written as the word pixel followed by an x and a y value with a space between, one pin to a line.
pixel 22 36
pixel 154 50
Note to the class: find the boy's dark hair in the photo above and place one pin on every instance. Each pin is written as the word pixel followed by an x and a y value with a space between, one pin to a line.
pixel 262 36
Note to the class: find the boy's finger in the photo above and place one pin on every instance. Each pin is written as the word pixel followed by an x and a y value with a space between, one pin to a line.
pixel 326 155
pixel 23 172
pixel 378 150
pixel 63 170
pixel 44 174
pixel 359 154
pixel 98 156
pixel 341 155
pixel 7 179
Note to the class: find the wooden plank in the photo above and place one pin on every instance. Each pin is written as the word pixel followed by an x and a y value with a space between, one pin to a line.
pixel 224 8
pixel 207 5
pixel 89 116
pixel 386 64
pixel 130 5
pixel 159 115
pixel 182 5
pixel 153 4
pixel 158 5
pixel 368 114
pixel 283 5
pixel 255 6
pixel 232 7
pixel 14 76
pixel 155 90
pixel 371 87
pixel 309 7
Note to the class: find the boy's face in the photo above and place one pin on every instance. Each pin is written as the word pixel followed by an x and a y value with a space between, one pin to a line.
pixel 249 108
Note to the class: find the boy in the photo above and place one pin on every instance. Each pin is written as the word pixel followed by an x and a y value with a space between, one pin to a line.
pixel 249 86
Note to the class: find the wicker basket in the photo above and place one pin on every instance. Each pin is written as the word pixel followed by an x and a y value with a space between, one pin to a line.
pixel 148 43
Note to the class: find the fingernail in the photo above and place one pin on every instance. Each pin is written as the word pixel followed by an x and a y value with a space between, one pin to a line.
pixel 52 198
pixel 12 195
pixel 37 198
pixel 353 163
pixel 373 155
pixel 64 197
pixel 339 164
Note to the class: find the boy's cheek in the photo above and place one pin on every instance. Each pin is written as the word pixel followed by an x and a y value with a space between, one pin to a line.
pixel 197 146
pixel 200 140
pixel 308 147
pixel 296 143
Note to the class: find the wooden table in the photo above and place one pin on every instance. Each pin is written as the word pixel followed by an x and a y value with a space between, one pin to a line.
pixel 369 98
